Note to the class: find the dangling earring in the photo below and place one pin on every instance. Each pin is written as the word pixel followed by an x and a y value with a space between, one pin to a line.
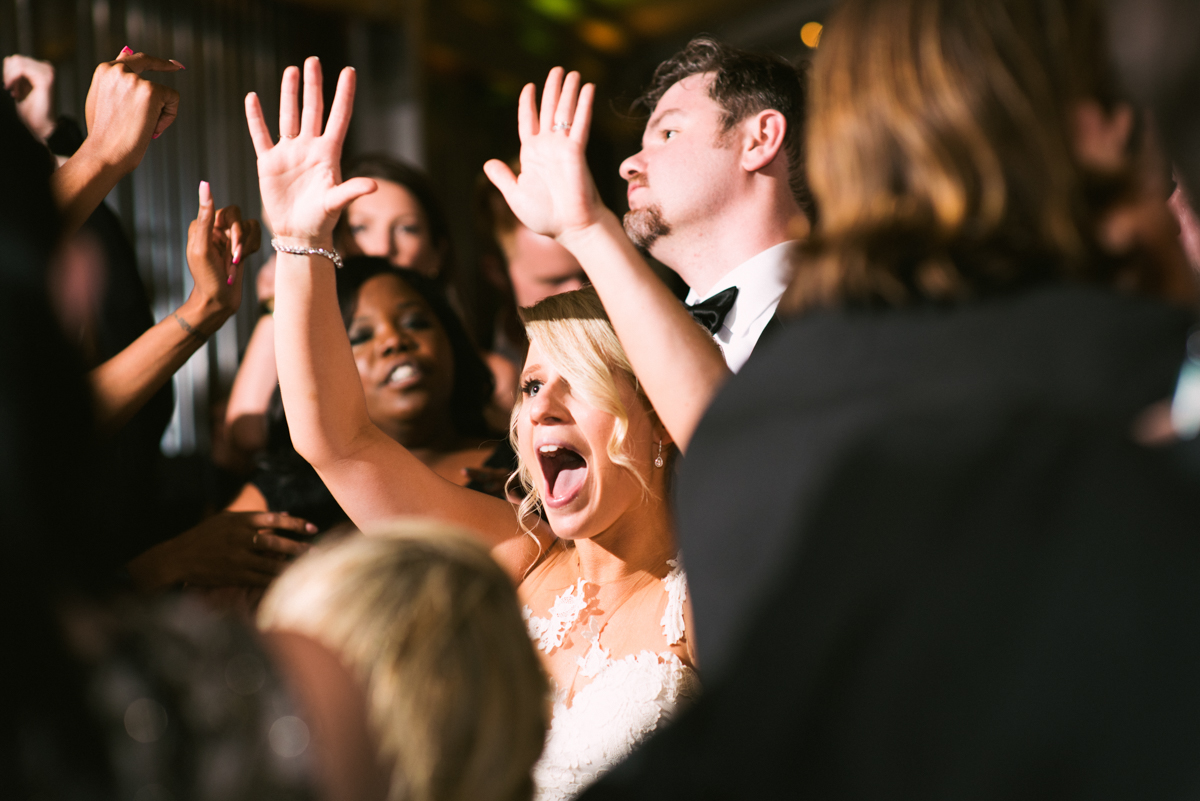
pixel 658 460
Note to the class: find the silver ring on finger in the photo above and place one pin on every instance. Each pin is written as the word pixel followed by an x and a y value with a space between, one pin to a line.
pixel 289 136
pixel 561 126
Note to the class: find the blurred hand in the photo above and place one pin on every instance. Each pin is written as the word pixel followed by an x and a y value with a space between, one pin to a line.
pixel 31 84
pixel 300 177
pixel 218 242
pixel 554 193
pixel 227 549
pixel 125 111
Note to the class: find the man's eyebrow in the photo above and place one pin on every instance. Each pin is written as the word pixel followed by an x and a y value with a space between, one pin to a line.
pixel 658 118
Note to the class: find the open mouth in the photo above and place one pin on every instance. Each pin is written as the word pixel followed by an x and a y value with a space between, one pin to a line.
pixel 564 470
pixel 403 375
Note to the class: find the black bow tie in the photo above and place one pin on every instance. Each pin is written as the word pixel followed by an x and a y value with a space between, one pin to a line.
pixel 711 313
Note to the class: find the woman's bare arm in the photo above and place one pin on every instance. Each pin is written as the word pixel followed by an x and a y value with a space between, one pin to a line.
pixel 675 360
pixel 217 241
pixel 253 386
pixel 372 476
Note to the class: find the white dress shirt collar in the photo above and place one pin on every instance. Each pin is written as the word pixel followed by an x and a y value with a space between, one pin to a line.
pixel 761 282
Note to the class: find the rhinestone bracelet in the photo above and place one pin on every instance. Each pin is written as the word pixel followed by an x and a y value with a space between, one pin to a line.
pixel 332 255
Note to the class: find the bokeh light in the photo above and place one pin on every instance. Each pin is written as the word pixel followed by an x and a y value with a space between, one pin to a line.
pixel 810 34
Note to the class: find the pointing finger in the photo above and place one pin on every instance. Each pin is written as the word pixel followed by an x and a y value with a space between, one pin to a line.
pixel 206 217
pixel 281 520
pixel 140 62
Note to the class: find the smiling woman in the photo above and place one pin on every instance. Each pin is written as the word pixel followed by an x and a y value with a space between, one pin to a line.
pixel 424 385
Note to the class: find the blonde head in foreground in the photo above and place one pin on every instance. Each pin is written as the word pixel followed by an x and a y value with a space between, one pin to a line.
pixel 430 625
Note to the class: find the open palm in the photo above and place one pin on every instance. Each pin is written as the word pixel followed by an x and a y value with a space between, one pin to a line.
pixel 555 192
pixel 300 176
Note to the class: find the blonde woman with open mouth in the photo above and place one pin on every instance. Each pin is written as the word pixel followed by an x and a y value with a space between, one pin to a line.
pixel 602 592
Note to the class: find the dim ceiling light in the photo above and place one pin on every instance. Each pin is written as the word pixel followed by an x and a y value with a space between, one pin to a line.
pixel 603 36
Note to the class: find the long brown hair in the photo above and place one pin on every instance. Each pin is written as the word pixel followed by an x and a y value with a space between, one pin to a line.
pixel 940 150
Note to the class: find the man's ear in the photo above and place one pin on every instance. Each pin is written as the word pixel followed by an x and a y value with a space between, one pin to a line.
pixel 1100 138
pixel 762 138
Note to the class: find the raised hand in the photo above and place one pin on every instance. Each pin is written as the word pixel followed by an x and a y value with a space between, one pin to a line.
pixel 218 241
pixel 554 193
pixel 300 177
pixel 124 111
pixel 31 84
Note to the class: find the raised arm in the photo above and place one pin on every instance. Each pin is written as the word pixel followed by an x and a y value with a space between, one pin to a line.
pixel 371 475
pixel 217 242
pixel 674 359
pixel 124 112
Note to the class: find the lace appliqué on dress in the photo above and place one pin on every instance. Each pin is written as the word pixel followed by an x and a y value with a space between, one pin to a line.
pixel 672 619
pixel 627 700
pixel 548 633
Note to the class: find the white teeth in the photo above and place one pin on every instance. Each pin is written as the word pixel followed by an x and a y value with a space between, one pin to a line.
pixel 551 449
pixel 402 373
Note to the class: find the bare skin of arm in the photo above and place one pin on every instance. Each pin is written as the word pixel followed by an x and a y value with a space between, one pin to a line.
pixel 675 360
pixel 371 475
pixel 252 389
pixel 124 112
pixel 217 240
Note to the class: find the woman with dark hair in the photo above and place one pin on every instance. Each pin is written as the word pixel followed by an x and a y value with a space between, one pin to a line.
pixel 425 384
pixel 402 222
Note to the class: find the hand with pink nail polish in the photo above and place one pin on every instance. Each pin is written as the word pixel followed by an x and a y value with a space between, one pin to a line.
pixel 218 242
pixel 123 111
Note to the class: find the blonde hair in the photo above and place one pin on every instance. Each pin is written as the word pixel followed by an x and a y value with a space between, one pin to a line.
pixel 940 154
pixel 430 624
pixel 574 332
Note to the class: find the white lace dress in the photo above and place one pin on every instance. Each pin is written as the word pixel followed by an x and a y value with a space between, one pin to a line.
pixel 627 699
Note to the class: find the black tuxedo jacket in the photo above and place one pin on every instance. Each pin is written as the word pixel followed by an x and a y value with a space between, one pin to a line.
pixel 927 561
